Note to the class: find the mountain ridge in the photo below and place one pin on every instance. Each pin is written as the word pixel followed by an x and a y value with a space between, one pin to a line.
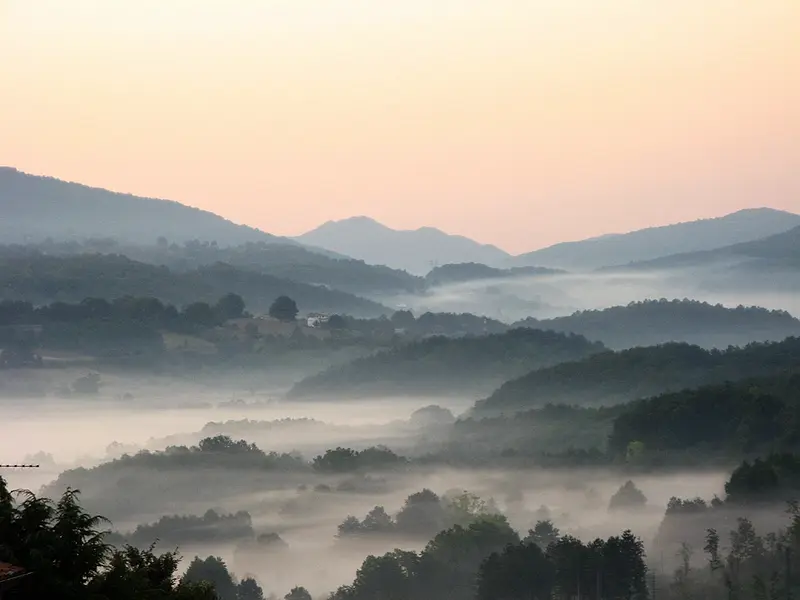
pixel 651 243
pixel 412 250
pixel 27 200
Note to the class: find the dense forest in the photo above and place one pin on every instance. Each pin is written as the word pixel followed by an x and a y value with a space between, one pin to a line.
pixel 655 322
pixel 471 365
pixel 463 272
pixel 42 279
pixel 616 377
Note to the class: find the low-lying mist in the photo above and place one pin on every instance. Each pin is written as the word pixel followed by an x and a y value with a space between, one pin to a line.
pixel 548 296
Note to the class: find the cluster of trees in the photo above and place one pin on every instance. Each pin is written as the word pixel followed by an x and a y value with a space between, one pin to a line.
pixel 137 309
pixel 178 530
pixel 438 364
pixel 345 460
pixel 122 327
pixel 63 548
pixel 486 559
pixel 43 279
pixel 653 322
pixel 423 514
pixel 749 566
pixel 616 377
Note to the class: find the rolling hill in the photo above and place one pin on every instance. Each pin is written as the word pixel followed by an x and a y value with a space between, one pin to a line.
pixel 656 242
pixel 610 378
pixel 415 251
pixel 660 321
pixel 44 279
pixel 35 208
pixel 471 365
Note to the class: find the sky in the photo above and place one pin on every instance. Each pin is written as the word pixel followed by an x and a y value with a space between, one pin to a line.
pixel 515 122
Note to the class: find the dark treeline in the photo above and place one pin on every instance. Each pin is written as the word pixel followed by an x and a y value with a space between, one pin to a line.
pixel 463 272
pixel 659 321
pixel 282 260
pixel 423 514
pixel 97 327
pixel 179 530
pixel 43 279
pixel 147 310
pixel 446 365
pixel 616 377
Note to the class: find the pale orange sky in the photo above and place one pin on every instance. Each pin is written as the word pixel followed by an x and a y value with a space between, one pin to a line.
pixel 515 122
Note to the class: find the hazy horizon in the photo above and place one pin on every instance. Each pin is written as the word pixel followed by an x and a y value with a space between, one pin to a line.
pixel 515 124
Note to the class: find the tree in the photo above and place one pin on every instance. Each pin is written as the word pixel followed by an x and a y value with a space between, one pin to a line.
pixel 284 309
pixel 212 570
pixel 298 593
pixel 64 547
pixel 628 496
pixel 543 534
pixel 248 589
pixel 377 521
pixel 230 306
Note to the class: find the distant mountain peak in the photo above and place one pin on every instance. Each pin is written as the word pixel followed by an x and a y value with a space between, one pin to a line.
pixel 414 250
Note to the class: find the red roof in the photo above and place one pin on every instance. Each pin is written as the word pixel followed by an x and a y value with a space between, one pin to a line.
pixel 8 571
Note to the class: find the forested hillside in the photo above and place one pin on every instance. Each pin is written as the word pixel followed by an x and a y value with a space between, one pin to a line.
pixel 659 321
pixel 282 260
pixel 42 279
pixel 615 377
pixel 467 365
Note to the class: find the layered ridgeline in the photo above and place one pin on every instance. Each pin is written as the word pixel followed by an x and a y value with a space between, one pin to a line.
pixel 608 378
pixel 438 365
pixel 43 279
pixel 659 321
pixel 282 260
pixel 715 424
pixel 655 242
pixel 774 251
pixel 35 208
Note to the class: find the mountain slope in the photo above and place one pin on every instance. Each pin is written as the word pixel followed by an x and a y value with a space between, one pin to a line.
pixel 615 377
pixel 781 250
pixel 660 321
pixel 647 244
pixel 35 208
pixel 415 251
pixel 44 279
pixel 470 365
